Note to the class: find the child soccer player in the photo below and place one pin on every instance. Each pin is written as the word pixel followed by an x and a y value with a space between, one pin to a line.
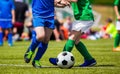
pixel 7 18
pixel 43 22
pixel 117 38
pixel 84 20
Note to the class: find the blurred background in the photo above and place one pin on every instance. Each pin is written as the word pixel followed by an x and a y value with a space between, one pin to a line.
pixel 103 12
pixel 104 8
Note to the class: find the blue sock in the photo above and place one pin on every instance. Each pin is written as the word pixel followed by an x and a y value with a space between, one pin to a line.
pixel 10 38
pixel 33 34
pixel 34 44
pixel 1 37
pixel 41 50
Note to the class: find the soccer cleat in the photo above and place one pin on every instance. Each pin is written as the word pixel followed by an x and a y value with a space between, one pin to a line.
pixel 28 56
pixel 36 64
pixel 116 49
pixel 53 61
pixel 88 63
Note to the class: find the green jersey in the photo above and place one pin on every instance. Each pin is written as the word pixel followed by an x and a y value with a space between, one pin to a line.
pixel 82 10
pixel 117 3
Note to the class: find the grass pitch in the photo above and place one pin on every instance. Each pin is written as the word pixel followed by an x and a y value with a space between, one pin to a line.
pixel 108 62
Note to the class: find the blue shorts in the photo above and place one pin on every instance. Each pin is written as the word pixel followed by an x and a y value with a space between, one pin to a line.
pixel 6 24
pixel 44 22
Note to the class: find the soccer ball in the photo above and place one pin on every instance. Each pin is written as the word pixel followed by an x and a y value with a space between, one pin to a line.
pixel 65 60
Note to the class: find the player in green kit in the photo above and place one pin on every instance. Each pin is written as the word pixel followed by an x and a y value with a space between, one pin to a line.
pixel 117 38
pixel 84 20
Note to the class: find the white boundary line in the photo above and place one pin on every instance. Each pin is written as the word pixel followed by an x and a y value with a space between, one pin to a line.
pixel 15 65
pixel 95 67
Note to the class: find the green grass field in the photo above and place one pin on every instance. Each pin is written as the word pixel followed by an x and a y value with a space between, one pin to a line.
pixel 108 62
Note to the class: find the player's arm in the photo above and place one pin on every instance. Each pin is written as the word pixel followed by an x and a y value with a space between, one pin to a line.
pixel 12 11
pixel 116 3
pixel 13 16
pixel 116 12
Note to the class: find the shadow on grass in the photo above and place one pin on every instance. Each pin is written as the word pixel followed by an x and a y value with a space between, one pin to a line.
pixel 108 66
pixel 77 66
pixel 99 66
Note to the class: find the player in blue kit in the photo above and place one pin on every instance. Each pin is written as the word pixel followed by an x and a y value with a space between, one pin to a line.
pixel 43 22
pixel 7 18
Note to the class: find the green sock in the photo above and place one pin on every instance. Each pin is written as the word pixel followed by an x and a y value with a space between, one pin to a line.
pixel 83 50
pixel 69 45
pixel 117 40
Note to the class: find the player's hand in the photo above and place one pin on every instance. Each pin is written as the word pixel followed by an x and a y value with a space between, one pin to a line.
pixel 65 2
pixel 56 1
pixel 61 3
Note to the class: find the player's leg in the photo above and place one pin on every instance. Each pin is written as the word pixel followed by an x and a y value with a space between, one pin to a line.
pixel 49 26
pixel 8 26
pixel 56 34
pixel 10 42
pixel 38 24
pixel 33 34
pixel 1 37
pixel 117 38
pixel 42 48
pixel 40 34
pixel 2 24
pixel 88 59
pixel 76 33
pixel 71 41
pixel 83 26
pixel 116 42
pixel 68 46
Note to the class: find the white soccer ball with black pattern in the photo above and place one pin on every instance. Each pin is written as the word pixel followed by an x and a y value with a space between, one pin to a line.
pixel 65 60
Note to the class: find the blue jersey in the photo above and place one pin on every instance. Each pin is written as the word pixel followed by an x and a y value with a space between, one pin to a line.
pixel 6 6
pixel 43 8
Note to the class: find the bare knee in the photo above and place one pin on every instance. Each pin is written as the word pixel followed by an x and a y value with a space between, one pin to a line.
pixel 72 37
pixel 40 37
pixel 77 41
